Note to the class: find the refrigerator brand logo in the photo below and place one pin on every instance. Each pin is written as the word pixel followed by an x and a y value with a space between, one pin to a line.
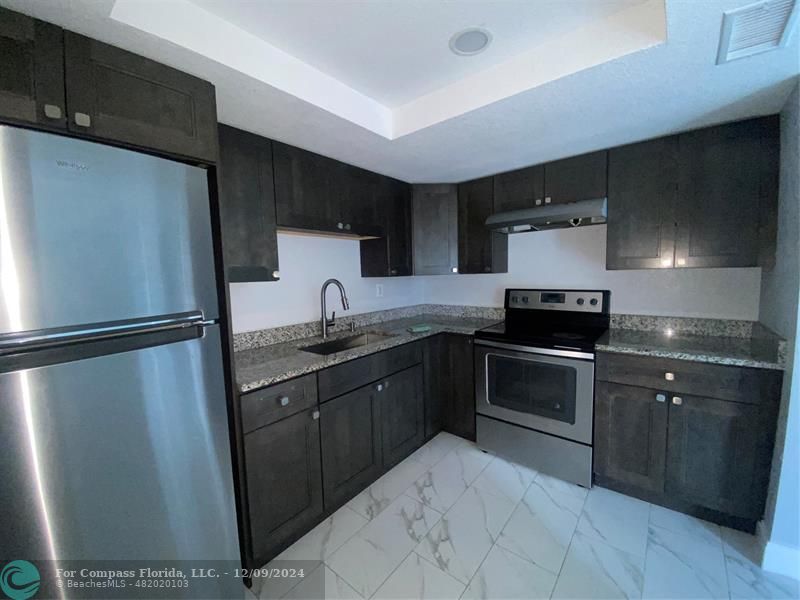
pixel 19 580
pixel 68 164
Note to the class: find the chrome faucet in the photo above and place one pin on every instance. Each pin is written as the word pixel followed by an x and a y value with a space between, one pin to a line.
pixel 345 305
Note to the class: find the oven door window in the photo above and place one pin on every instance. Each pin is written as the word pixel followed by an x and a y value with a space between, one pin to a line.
pixel 532 387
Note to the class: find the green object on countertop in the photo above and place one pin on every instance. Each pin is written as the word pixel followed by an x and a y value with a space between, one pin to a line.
pixel 419 328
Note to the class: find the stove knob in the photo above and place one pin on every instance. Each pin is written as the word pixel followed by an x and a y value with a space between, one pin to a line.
pixel 580 301
pixel 593 301
pixel 524 299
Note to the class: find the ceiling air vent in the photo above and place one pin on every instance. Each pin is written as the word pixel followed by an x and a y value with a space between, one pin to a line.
pixel 756 28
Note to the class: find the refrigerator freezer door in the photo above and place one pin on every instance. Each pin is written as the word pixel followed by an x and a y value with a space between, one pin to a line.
pixel 122 456
pixel 92 234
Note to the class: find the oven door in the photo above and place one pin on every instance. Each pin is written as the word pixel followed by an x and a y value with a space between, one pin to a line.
pixel 547 390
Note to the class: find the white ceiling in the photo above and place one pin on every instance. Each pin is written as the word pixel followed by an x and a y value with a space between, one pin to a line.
pixel 395 52
pixel 607 81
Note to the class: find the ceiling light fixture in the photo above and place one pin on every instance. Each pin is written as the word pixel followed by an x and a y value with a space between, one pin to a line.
pixel 469 42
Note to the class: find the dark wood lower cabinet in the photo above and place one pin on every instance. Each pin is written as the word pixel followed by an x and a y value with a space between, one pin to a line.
pixel 709 457
pixel 719 454
pixel 351 444
pixel 402 415
pixel 284 482
pixel 459 411
pixel 436 369
pixel 630 435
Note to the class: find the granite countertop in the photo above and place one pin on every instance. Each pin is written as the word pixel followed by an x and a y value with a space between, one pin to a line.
pixel 260 367
pixel 762 349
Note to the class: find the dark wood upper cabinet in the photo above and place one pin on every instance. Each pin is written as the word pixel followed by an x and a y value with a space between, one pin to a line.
pixel 390 254
pixel 727 188
pixel 479 250
pixel 642 188
pixel 351 444
pixel 630 436
pixel 31 71
pixel 247 206
pixel 720 454
pixel 577 178
pixel 119 96
pixel 303 198
pixel 519 189
pixel 283 456
pixel 402 415
pixel 355 195
pixel 435 213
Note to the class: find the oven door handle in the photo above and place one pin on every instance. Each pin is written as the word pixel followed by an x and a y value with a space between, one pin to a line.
pixel 531 350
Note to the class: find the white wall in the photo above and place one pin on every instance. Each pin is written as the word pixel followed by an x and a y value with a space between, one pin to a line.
pixel 779 310
pixel 305 263
pixel 576 258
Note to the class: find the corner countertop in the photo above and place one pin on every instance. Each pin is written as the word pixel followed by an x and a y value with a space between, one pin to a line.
pixel 260 367
pixel 762 350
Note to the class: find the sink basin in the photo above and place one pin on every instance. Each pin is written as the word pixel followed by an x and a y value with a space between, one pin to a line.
pixel 347 343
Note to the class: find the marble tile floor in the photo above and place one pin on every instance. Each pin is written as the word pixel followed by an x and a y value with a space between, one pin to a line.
pixel 453 522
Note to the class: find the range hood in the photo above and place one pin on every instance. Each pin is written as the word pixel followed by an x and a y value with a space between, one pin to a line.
pixel 550 216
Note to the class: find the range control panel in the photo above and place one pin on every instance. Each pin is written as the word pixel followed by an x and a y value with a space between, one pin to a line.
pixel 566 300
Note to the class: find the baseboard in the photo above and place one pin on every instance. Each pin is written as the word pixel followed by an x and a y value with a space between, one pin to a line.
pixel 781 559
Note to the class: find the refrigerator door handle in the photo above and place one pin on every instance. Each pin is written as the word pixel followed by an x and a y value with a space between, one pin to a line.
pixel 35 340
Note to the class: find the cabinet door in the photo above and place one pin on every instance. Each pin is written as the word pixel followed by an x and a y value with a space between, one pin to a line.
pixel 436 376
pixel 479 250
pixel 459 413
pixel 630 435
pixel 390 254
pixel 31 71
pixel 723 183
pixel 120 96
pixel 519 189
pixel 719 454
pixel 402 414
pixel 355 197
pixel 435 229
pixel 284 482
pixel 642 188
pixel 578 178
pixel 303 196
pixel 247 204
pixel 351 444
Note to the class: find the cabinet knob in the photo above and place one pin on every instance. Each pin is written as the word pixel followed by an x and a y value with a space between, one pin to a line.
pixel 83 120
pixel 487 269
pixel 379 387
pixel 538 202
pixel 386 385
pixel 548 200
pixel 677 400
pixel 340 225
pixel 347 227
pixel 51 111
pixel 661 398
pixel 276 274
pixel 454 269
pixel 284 400
pixel 669 376
pixel 315 415
pixel 393 272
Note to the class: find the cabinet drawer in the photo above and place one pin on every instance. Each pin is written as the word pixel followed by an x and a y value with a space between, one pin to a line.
pixel 736 384
pixel 353 374
pixel 276 402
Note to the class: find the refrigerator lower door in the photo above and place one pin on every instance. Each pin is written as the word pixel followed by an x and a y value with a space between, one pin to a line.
pixel 93 234
pixel 120 457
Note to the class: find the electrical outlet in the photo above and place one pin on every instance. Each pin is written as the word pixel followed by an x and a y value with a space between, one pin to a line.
pixel 379 290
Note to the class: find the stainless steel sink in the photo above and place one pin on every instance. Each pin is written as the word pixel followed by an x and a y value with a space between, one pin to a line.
pixel 348 343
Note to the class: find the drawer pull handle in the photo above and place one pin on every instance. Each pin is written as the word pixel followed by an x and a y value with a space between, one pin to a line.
pixel 677 400
pixel 284 400
pixel 669 376
pixel 315 415
pixel 661 398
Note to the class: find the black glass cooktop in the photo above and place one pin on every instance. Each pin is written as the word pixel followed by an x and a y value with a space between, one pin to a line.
pixel 542 336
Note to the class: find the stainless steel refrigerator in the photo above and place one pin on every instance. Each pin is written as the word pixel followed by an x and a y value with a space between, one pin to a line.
pixel 113 417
